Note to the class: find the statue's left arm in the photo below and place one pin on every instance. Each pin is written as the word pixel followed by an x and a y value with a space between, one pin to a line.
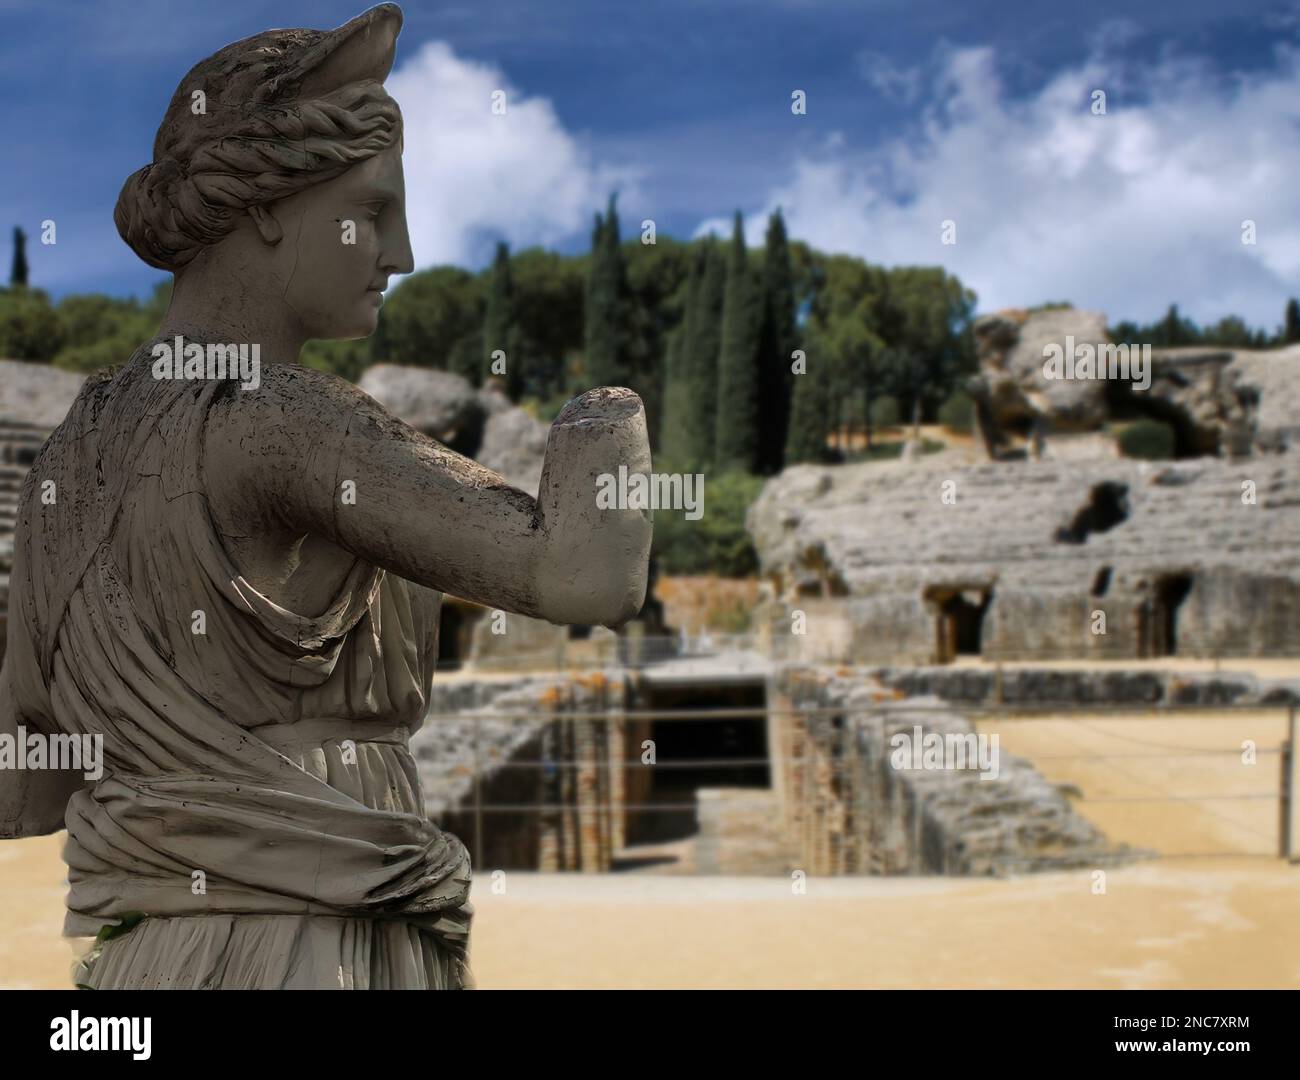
pixel 319 456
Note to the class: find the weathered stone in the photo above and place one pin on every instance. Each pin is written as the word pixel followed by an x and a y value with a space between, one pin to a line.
pixel 1197 558
pixel 880 816
pixel 1011 390
pixel 481 424
pixel 514 444
pixel 1089 686
pixel 1209 395
pixel 1271 373
pixel 440 404
pixel 1200 393
pixel 36 394
pixel 551 783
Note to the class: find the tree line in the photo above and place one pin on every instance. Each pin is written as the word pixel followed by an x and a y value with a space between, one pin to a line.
pixel 747 360
pixel 1231 332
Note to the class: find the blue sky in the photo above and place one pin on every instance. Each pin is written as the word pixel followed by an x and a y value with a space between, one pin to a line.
pixel 917 113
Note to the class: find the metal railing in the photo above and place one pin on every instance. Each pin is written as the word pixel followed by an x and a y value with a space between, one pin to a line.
pixel 639 651
pixel 1286 794
pixel 779 644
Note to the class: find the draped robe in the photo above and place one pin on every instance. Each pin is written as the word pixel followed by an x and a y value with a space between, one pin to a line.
pixel 258 804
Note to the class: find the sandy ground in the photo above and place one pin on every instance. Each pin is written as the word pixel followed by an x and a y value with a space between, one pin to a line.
pixel 1219 910
pixel 1267 668
pixel 1179 784
pixel 1194 923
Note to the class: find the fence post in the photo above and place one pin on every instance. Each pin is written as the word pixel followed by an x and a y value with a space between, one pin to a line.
pixel 806 853
pixel 854 828
pixel 478 793
pixel 1290 784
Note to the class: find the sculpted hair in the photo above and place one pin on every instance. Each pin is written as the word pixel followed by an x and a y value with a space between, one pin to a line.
pixel 172 209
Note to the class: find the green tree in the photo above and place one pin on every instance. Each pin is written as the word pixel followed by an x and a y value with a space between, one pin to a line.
pixel 101 331
pixel 718 543
pixel 846 297
pixel 737 428
pixel 1231 332
pixel 655 308
pixel 809 413
pixel 605 351
pixel 925 318
pixel 1291 324
pixel 676 439
pixel 1173 330
pixel 466 356
pixel 346 359
pixel 88 318
pixel 884 412
pixel 701 348
pixel 18 269
pixel 425 317
pixel 548 302
pixel 501 330
pixel 29 326
pixel 958 412
pixel 776 341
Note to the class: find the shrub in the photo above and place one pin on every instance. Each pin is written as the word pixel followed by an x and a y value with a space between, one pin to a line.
pixel 716 543
pixel 729 616
pixel 1151 440
pixel 29 326
pixel 958 412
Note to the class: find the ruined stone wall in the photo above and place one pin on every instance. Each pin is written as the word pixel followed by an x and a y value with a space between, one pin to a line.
pixel 555 779
pixel 1049 544
pixel 850 811
pixel 1054 687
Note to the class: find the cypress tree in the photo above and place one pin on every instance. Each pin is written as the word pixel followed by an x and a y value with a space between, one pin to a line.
pixel 809 409
pixel 501 325
pixel 676 436
pixel 605 358
pixel 18 270
pixel 702 347
pixel 465 357
pixel 737 428
pixel 1291 327
pixel 776 342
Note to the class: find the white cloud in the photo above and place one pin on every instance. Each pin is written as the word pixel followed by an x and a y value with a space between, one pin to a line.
pixel 892 80
pixel 472 176
pixel 1122 213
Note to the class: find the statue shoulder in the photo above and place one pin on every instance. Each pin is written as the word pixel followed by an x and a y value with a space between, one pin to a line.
pixel 290 392
pixel 280 440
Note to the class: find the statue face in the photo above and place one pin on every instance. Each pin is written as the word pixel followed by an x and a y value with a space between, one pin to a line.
pixel 342 240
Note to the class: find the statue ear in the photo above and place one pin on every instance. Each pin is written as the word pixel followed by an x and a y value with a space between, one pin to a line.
pixel 267 227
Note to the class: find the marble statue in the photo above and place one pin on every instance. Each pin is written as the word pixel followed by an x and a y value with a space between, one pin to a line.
pixel 230 567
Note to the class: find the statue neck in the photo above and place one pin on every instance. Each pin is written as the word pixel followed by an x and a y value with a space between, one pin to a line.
pixel 217 306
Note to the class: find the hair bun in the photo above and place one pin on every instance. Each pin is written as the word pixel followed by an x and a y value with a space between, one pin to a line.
pixel 162 217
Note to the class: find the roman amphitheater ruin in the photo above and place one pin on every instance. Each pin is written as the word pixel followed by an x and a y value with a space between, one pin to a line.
pixel 924 596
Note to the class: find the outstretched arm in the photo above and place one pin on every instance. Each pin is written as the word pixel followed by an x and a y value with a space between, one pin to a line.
pixel 310 453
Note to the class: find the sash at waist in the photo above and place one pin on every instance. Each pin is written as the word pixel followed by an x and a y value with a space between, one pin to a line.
pixel 290 739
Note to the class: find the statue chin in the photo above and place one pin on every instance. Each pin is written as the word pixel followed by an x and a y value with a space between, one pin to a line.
pixel 358 321
pixel 366 325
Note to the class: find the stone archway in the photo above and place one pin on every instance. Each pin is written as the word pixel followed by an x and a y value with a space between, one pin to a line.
pixel 959 619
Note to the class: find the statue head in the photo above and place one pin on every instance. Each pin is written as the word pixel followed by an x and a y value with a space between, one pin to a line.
pixel 279 164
